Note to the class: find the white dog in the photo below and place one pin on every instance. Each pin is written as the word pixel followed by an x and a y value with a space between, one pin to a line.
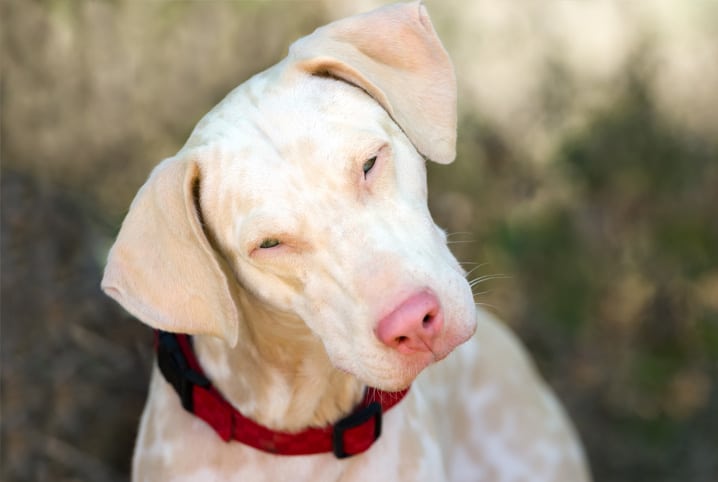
pixel 291 237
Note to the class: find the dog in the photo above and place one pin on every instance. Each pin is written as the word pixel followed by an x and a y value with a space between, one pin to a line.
pixel 312 323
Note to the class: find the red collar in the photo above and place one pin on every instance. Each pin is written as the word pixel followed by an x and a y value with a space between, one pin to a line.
pixel 349 436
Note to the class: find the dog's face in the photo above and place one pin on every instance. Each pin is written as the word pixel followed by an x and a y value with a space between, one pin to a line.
pixel 319 201
pixel 306 186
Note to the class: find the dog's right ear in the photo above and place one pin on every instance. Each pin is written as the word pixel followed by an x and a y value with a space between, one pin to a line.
pixel 163 268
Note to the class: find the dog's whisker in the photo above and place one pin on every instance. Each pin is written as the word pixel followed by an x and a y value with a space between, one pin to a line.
pixel 493 308
pixel 488 277
pixel 482 293
pixel 470 240
pixel 478 266
pixel 466 241
pixel 458 233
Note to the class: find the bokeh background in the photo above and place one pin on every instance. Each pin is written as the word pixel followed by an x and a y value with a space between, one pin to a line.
pixel 585 191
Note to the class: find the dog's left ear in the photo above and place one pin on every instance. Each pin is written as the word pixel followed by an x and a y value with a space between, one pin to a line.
pixel 394 54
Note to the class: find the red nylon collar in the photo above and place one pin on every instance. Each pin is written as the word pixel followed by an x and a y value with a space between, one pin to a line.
pixel 350 436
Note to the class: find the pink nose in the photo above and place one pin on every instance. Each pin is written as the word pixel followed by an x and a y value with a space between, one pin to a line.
pixel 413 326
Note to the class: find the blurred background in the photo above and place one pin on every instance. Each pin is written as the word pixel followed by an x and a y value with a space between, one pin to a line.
pixel 585 190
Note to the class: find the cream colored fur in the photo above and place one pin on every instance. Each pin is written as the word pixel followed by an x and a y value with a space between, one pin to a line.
pixel 286 333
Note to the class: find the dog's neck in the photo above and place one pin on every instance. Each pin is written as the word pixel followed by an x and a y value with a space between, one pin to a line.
pixel 279 374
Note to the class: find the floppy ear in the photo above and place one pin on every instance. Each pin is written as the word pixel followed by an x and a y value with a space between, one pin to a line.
pixel 162 268
pixel 394 54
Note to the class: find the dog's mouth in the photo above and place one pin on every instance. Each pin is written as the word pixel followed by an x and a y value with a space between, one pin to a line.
pixel 409 366
pixel 394 371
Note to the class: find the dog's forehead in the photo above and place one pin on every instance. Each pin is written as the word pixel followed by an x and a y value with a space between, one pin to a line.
pixel 315 121
pixel 310 132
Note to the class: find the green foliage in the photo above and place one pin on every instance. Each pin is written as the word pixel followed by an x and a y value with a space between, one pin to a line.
pixel 546 250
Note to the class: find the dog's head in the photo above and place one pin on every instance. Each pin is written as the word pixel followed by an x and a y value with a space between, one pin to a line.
pixel 306 190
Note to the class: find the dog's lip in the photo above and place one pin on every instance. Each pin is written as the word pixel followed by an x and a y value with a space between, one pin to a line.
pixel 414 362
pixel 452 342
pixel 440 356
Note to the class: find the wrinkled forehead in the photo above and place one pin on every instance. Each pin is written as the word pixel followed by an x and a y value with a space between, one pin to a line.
pixel 325 110
pixel 300 136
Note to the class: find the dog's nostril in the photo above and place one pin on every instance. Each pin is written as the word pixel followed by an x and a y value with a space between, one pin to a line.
pixel 414 325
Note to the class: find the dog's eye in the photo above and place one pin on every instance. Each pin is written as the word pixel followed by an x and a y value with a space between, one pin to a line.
pixel 269 243
pixel 368 165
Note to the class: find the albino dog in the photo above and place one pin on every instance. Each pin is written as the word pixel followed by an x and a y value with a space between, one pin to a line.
pixel 291 237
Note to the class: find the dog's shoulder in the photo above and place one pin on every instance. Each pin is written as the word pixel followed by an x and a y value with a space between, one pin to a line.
pixel 497 415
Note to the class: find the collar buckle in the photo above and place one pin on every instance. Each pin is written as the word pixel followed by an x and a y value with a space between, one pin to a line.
pixel 353 421
pixel 176 370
